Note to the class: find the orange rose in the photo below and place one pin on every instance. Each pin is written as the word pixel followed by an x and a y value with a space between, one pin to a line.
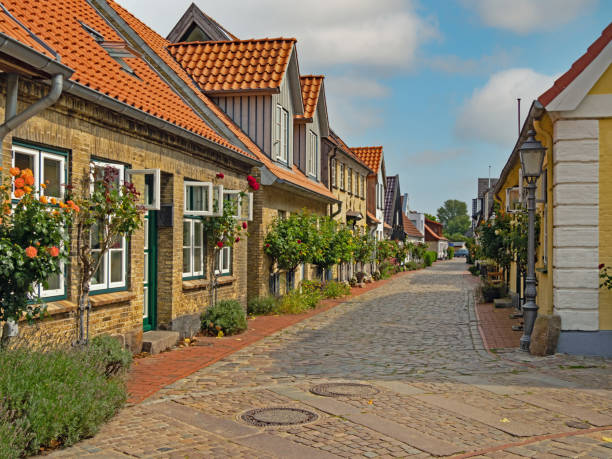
pixel 53 201
pixel 53 251
pixel 26 172
pixel 29 179
pixel 31 252
pixel 62 205
pixel 14 171
pixel 27 189
pixel 43 186
pixel 43 199
pixel 19 182
pixel 19 193
pixel 56 213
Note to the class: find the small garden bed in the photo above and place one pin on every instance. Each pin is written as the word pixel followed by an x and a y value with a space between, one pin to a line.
pixel 56 398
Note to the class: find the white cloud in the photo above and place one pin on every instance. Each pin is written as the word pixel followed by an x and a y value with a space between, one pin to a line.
pixel 490 114
pixel 526 16
pixel 485 64
pixel 383 34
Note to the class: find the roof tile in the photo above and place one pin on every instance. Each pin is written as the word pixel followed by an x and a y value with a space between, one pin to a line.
pixel 311 87
pixel 10 27
pixel 371 156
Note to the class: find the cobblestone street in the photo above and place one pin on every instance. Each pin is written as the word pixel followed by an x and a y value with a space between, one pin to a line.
pixel 435 390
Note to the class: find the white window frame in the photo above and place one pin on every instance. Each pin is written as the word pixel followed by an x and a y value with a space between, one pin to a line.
pixel 156 185
pixel 281 134
pixel 107 284
pixel 509 191
pixel 350 181
pixel 206 213
pixel 342 177
pixel 223 270
pixel 312 154
pixel 192 247
pixel 38 172
pixel 334 175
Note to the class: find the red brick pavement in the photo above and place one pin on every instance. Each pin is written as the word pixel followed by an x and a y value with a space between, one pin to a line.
pixel 150 374
pixel 495 327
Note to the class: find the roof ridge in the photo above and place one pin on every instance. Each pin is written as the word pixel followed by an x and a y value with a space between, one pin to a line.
pixel 217 42
pixel 312 76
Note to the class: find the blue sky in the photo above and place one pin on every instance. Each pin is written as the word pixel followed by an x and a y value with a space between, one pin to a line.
pixel 435 82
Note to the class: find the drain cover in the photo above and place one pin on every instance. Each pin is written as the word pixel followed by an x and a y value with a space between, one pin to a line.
pixel 263 417
pixel 344 390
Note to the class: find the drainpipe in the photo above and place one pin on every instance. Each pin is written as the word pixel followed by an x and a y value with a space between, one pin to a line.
pixel 12 119
pixel 331 158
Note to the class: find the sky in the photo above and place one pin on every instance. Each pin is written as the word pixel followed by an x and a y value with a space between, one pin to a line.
pixel 435 82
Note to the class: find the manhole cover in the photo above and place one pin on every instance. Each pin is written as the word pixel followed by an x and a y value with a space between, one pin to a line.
pixel 344 390
pixel 263 417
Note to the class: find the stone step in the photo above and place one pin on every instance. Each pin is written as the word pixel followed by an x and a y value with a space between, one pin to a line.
pixel 156 341
pixel 502 302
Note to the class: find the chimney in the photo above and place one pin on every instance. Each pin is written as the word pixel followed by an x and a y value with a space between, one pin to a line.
pixel 405 207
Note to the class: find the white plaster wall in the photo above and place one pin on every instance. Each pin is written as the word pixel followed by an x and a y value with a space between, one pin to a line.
pixel 575 223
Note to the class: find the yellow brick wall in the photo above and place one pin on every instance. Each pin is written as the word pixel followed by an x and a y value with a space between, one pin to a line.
pixel 88 131
pixel 605 217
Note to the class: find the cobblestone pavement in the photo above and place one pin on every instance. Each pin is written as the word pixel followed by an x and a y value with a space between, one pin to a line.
pixel 440 393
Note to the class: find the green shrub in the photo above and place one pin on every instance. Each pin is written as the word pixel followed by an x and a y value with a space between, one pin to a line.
pixel 474 270
pixel 108 355
pixel 309 286
pixel 376 275
pixel 295 302
pixel 56 396
pixel 387 269
pixel 263 305
pixel 335 289
pixel 429 257
pixel 451 252
pixel 491 291
pixel 224 318
pixel 412 265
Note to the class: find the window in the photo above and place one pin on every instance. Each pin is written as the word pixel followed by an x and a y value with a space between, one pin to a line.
pixel 111 273
pixel 244 204
pixel 194 248
pixel 282 214
pixel 150 193
pixel 223 262
pixel 513 199
pixel 198 198
pixel 350 181
pixel 363 186
pixel 334 173
pixel 342 178
pixel 48 168
pixel 312 155
pixel 281 134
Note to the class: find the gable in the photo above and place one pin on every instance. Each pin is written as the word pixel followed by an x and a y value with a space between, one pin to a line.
pixel 194 25
pixel 604 84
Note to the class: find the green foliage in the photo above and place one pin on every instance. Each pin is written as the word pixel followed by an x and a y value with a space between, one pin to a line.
pixel 327 247
pixel 289 241
pixel 376 275
pixel 402 250
pixel 387 269
pixel 451 209
pixel 491 291
pixel 431 217
pixel 455 237
pixel 297 302
pixel 430 257
pixel 263 305
pixel 450 252
pixel 474 270
pixel 224 318
pixel 605 277
pixel 363 248
pixel 412 265
pixel 458 225
pixel 335 289
pixel 417 251
pixel 109 356
pixel 58 396
pixel 32 244
pixel 385 249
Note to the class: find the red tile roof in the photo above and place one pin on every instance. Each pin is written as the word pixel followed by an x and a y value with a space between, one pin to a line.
pixel 58 22
pixel 311 87
pixel 10 27
pixel 409 227
pixel 577 67
pixel 159 45
pixel 233 66
pixel 372 217
pixel 371 156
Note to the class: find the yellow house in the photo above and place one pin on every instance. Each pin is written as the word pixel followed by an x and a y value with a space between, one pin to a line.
pixel 573 120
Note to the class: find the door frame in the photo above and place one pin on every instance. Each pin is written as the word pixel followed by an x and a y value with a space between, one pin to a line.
pixel 150 322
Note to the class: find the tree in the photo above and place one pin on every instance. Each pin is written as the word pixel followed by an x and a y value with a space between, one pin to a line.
pixel 325 253
pixel 33 245
pixel 459 224
pixel 433 218
pixel 450 209
pixel 288 241
pixel 109 211
pixel 364 246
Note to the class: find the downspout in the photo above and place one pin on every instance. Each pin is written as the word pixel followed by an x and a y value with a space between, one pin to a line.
pixel 331 158
pixel 12 120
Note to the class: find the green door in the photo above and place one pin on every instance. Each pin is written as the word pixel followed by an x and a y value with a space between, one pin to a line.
pixel 149 312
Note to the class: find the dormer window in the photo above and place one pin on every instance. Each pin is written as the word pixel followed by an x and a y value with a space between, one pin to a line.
pixel 119 50
pixel 93 32
pixel 281 134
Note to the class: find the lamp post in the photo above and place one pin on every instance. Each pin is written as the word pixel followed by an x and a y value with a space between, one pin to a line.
pixel 532 156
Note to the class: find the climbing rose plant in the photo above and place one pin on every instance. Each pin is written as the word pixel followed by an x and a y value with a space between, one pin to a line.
pixel 33 243
pixel 289 240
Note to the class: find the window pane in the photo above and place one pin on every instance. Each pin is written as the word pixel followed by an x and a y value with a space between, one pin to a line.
pixel 146 233
pixel 24 161
pixel 197 234
pixel 226 258
pixel 52 175
pixel 96 237
pixel 187 261
pixel 99 275
pixel 198 198
pixel 116 262
pixel 146 268
pixel 186 234
pixel 197 260
pixel 145 303
pixel 54 282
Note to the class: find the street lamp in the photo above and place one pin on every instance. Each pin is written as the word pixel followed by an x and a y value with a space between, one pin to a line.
pixel 532 156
